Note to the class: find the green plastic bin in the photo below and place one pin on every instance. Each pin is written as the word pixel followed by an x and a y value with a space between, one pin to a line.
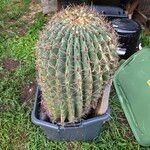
pixel 132 84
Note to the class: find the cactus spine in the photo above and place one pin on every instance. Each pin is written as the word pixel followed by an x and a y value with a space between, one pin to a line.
pixel 75 58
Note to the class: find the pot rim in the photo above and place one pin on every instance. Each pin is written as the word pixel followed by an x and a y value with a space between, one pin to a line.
pixel 84 122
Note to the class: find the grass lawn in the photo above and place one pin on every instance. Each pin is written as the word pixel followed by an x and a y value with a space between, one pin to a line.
pixel 20 23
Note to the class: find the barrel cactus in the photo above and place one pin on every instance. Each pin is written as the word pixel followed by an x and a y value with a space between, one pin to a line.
pixel 75 57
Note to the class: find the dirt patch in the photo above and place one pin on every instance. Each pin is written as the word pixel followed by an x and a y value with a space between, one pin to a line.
pixel 22 31
pixel 17 138
pixel 73 146
pixel 28 92
pixel 20 25
pixel 1 75
pixel 122 119
pixel 10 64
pixel 70 146
pixel 34 8
pixel 22 136
pixel 3 108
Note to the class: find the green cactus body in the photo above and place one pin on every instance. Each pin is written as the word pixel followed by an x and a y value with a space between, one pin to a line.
pixel 75 58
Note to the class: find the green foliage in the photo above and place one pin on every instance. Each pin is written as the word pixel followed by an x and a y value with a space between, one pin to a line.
pixel 145 39
pixel 76 56
pixel 13 9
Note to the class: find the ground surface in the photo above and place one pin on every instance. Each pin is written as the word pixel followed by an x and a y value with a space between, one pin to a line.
pixel 20 23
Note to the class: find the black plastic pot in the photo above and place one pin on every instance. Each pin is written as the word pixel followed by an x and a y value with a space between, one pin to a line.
pixel 109 11
pixel 128 30
pixel 128 36
pixel 86 130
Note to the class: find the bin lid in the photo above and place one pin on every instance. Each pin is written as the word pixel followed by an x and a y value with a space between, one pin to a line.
pixel 132 84
pixel 125 25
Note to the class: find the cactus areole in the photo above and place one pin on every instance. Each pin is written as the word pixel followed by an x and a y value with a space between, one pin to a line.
pixel 75 57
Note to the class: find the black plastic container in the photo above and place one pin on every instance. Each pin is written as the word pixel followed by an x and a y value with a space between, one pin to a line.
pixel 109 11
pixel 129 32
pixel 86 130
pixel 119 3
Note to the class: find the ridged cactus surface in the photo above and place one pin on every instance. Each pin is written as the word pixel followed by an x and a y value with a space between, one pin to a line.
pixel 76 55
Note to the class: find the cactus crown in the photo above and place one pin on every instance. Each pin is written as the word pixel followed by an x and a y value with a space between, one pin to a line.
pixel 75 57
